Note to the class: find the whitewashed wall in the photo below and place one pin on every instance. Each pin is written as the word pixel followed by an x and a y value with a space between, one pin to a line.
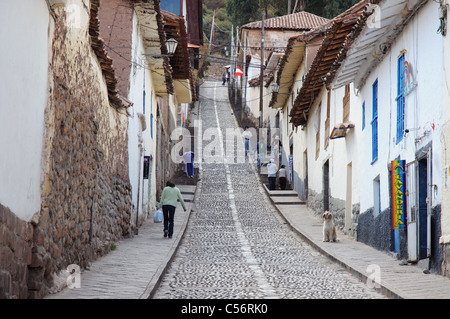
pixel 316 115
pixel 253 93
pixel 140 77
pixel 423 106
pixel 298 137
pixel 24 94
pixel 340 152
pixel 445 212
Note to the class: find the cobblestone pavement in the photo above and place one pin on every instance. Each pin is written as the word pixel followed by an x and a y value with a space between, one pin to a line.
pixel 236 245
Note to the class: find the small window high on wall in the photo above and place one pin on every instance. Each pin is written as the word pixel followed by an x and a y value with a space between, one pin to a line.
pixel 363 122
pixel 376 196
pixel 346 104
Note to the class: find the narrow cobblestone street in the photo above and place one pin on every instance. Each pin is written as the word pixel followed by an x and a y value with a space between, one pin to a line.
pixel 236 245
pixel 244 121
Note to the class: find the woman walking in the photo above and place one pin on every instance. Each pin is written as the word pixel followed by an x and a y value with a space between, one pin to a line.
pixel 168 203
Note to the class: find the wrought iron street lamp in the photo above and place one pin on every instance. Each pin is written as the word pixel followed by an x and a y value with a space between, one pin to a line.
pixel 171 46
pixel 275 88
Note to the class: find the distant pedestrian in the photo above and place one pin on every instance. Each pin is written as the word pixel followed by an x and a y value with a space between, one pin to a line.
pixel 272 174
pixel 258 163
pixel 168 203
pixel 261 152
pixel 224 78
pixel 228 76
pixel 188 158
pixel 275 149
pixel 282 177
pixel 247 135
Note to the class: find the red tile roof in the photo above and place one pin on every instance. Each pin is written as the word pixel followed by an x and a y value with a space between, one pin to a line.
pixel 339 36
pixel 296 21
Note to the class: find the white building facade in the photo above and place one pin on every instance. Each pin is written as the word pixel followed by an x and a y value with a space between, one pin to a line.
pixel 399 70
pixel 141 144
pixel 326 118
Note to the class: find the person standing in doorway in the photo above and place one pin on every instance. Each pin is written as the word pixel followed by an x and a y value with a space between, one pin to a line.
pixel 247 135
pixel 282 177
pixel 168 203
pixel 272 174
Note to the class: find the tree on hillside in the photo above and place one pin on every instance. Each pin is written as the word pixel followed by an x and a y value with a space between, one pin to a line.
pixel 328 9
pixel 222 24
pixel 244 11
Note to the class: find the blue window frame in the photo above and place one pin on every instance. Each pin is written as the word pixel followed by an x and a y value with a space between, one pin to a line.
pixel 363 122
pixel 400 98
pixel 375 121
pixel 151 114
pixel 143 101
pixel 151 125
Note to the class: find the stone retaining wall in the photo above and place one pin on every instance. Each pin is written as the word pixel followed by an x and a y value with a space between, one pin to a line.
pixel 16 241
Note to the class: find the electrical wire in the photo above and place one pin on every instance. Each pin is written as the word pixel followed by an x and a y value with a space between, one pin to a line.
pixel 181 82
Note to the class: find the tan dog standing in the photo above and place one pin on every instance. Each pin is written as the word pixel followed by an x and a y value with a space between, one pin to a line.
pixel 329 230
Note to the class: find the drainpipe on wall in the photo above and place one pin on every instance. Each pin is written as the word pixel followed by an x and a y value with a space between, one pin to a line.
pixel 136 231
pixel 150 169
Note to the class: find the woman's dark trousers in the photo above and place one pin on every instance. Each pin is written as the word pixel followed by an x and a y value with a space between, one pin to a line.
pixel 169 214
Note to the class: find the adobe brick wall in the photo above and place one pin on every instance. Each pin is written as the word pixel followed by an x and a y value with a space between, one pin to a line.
pixel 273 39
pixel 116 26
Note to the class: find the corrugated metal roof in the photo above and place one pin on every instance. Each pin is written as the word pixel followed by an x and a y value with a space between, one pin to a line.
pixel 296 21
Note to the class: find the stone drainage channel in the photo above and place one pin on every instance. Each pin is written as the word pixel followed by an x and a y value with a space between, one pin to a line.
pixel 236 245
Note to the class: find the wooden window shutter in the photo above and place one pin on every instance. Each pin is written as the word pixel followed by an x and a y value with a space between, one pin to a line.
pixel 327 122
pixel 346 104
pixel 317 144
pixel 319 109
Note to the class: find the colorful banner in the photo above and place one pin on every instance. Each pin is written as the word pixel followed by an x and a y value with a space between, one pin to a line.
pixel 398 176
